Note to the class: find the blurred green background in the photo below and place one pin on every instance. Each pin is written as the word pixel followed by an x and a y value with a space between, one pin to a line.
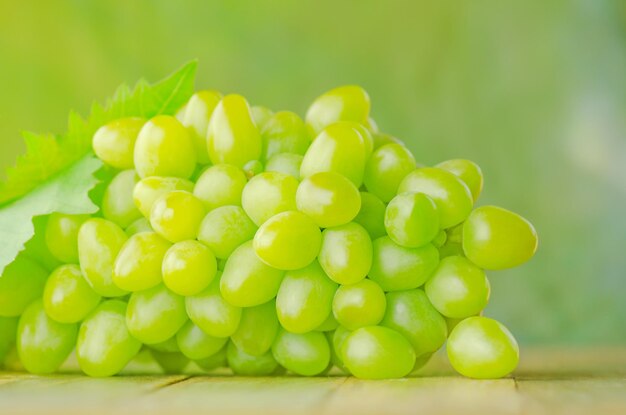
pixel 534 91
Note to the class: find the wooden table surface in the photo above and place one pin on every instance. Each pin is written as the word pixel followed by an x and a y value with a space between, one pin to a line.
pixel 548 381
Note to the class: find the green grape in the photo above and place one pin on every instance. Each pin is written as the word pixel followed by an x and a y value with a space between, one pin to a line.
pixel 396 268
pixel 496 238
pixel 252 168
pixel 378 353
pixel 114 143
pixel 99 242
pixel 164 148
pixel 346 253
pixel 220 185
pixel 21 283
pixel 452 197
pixel 138 264
pixel 62 236
pixel 450 249
pixel 170 363
pixel 381 139
pixel 156 314
pixel 138 226
pixel 329 325
pixel 247 281
pixel 482 348
pixel 440 239
pixel 188 268
pixel 421 361
pixel 340 149
pixel 306 354
pixel 329 199
pixel 287 241
pixel 244 364
pixel 468 171
pixel 213 362
pixel 260 115
pixel 67 297
pixel 233 137
pixel 8 333
pixel 345 103
pixel 412 220
pixel 118 205
pixel 285 163
pixel 148 190
pixel 455 234
pixel 257 329
pixel 225 228
pixel 269 194
pixel 372 215
pixel 196 344
pixel 366 137
pixel 339 337
pixel 284 132
pixel 304 300
pixel 411 314
pixel 458 288
pixel 42 343
pixel 212 313
pixel 197 115
pixel 105 346
pixel 451 323
pixel 359 305
pixel 177 215
pixel 168 346
pixel 386 168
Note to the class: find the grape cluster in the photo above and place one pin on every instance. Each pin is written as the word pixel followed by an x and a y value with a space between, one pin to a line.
pixel 234 236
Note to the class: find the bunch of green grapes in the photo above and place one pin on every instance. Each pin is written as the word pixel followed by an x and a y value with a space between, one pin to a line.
pixel 235 236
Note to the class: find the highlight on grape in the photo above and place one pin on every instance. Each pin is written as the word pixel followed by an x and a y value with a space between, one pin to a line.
pixel 234 236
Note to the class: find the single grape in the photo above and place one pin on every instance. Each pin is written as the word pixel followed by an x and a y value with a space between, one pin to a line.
pixel 306 354
pixel 177 215
pixel 21 283
pixel 345 103
pixel 225 228
pixel 252 168
pixel 188 267
pixel 269 194
pixel 212 313
pixel 67 297
pixel 156 314
pixel 197 115
pixel 284 132
pixel 412 220
pixel 452 197
pixel 196 344
pixel 287 241
pixel 233 137
pixel 244 364
pixel 381 139
pixel 482 348
pixel 164 148
pixel 468 171
pixel 285 163
pixel 329 199
pixel 260 115
pixel 118 204
pixel 411 314
pixel 114 143
pixel 336 343
pixel 339 149
pixel 386 168
pixel 378 353
pixel 99 242
pixel 213 362
pixel 396 268
pixel 458 288
pixel 366 137
pixel 8 334
pixel 257 329
pixel 496 238
pixel 104 344
pixel 359 305
pixel 62 236
pixel 346 253
pixel 149 189
pixel 220 185
pixel 372 215
pixel 305 299
pixel 247 281
pixel 138 226
pixel 42 343
pixel 138 264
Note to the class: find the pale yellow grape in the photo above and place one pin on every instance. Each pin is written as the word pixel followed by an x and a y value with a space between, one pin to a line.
pixel 268 194
pixel 138 264
pixel 220 185
pixel 118 205
pixel 67 297
pixel 188 267
pixel 177 215
pixel 372 215
pixel 62 236
pixel 140 225
pixel 114 143
pixel 468 171
pixel 359 305
pixel 344 103
pixel 346 253
pixel 284 132
pixel 286 163
pixel 198 112
pixel 212 313
pixel 386 168
pixel 225 228
pixel 257 329
pixel 195 344
pixel 21 282
pixel 149 189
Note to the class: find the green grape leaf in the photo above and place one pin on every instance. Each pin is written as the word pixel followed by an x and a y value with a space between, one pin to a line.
pixel 57 173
